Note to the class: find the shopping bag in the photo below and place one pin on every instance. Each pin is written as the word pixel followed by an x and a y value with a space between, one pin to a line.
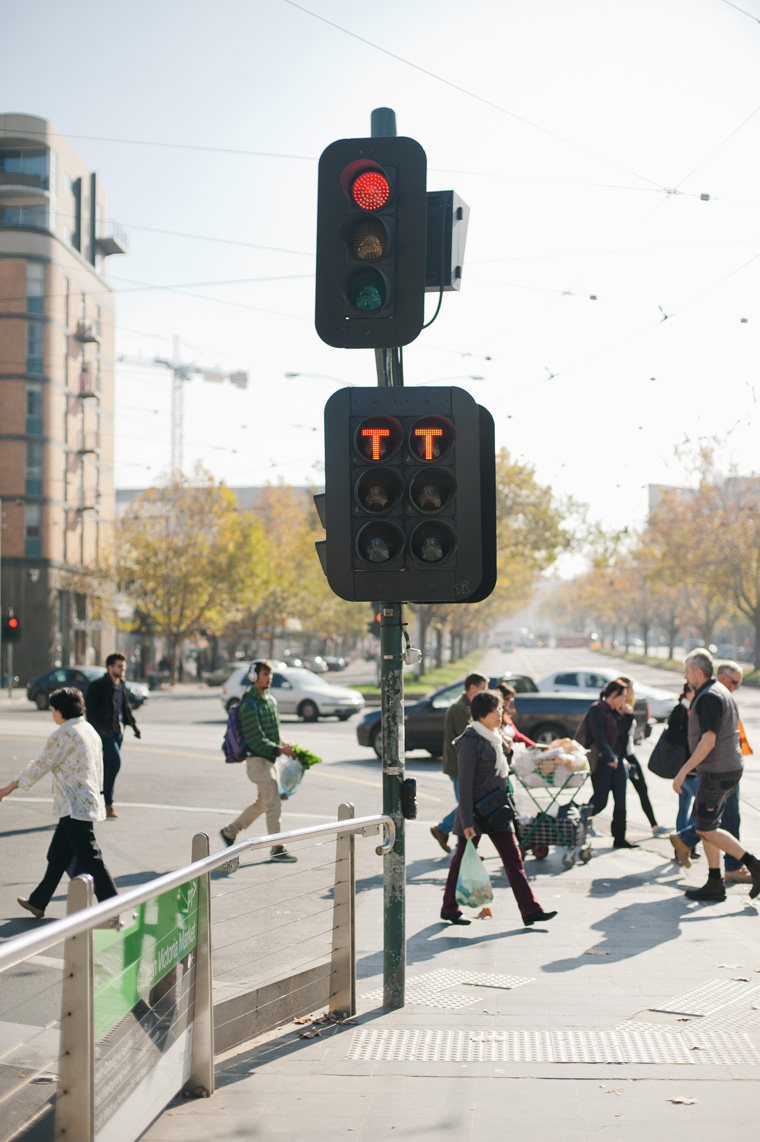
pixel 289 773
pixel 474 883
pixel 667 758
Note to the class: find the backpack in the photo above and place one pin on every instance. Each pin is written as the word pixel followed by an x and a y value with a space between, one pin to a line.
pixel 584 734
pixel 234 746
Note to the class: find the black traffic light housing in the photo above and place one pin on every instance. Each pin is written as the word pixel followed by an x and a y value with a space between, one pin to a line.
pixel 11 628
pixel 409 502
pixel 371 243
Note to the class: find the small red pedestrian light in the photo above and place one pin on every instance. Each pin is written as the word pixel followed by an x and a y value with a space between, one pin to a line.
pixel 13 623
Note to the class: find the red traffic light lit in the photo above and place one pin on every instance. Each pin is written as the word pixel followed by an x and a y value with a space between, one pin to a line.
pixel 13 623
pixel 378 437
pixel 431 437
pixel 366 184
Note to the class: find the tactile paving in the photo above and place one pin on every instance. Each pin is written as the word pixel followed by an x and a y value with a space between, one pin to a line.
pixel 431 989
pixel 631 1046
pixel 708 998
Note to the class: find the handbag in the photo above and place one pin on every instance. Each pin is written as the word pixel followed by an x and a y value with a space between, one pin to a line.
pixel 495 812
pixel 667 758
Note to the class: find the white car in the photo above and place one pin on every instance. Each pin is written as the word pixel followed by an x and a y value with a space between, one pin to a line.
pixel 298 692
pixel 592 679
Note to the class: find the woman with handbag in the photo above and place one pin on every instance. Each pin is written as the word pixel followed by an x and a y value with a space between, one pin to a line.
pixel 607 759
pixel 484 807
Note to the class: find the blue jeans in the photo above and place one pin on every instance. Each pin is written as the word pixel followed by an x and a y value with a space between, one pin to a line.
pixel 685 798
pixel 447 824
pixel 111 763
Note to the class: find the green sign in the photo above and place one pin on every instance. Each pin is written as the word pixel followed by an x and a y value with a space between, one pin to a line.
pixel 129 963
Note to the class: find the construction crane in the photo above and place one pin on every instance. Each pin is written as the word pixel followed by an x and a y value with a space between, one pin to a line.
pixel 181 373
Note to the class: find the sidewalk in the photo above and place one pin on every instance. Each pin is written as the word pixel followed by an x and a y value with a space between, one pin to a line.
pixel 528 1034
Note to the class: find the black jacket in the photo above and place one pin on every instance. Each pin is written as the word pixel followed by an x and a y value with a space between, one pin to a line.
pixel 605 727
pixel 477 777
pixel 98 702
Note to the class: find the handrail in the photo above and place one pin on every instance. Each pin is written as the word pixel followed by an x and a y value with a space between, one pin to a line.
pixel 20 948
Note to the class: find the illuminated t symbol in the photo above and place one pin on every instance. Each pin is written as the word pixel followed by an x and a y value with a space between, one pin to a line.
pixel 428 434
pixel 375 434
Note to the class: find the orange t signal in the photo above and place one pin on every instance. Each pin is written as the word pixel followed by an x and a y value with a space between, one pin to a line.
pixel 428 434
pixel 375 434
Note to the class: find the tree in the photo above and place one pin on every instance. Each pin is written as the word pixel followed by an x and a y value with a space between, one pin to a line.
pixel 188 557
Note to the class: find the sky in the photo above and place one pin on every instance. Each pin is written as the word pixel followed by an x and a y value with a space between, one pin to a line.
pixel 582 136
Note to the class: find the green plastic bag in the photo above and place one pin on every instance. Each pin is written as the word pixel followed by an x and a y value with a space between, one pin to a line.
pixel 474 883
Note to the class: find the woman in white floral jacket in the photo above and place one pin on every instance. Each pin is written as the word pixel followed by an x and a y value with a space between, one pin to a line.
pixel 73 754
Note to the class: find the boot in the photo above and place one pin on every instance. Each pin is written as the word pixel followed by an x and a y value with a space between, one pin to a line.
pixel 618 831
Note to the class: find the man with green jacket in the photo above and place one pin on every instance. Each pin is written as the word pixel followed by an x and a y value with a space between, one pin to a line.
pixel 260 723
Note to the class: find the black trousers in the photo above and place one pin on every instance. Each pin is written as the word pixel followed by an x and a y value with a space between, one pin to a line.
pixel 73 839
pixel 636 775
pixel 606 780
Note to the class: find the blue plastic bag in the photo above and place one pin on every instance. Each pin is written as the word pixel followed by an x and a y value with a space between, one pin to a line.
pixel 473 884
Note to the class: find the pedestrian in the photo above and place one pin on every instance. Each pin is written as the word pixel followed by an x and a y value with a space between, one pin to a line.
pixel 73 754
pixel 608 770
pixel 260 723
pixel 108 710
pixel 482 770
pixel 635 772
pixel 509 730
pixel 454 724
pixel 716 757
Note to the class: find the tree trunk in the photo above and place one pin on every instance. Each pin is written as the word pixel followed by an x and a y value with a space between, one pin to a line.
pixel 439 646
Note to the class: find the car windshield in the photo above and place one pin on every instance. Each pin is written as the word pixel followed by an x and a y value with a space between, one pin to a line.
pixel 305 678
pixel 92 672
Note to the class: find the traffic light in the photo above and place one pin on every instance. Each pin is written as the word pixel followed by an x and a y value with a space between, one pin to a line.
pixel 373 626
pixel 409 503
pixel 11 628
pixel 371 242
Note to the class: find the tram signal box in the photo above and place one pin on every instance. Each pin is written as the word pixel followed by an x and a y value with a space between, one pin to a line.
pixel 409 502
pixel 372 220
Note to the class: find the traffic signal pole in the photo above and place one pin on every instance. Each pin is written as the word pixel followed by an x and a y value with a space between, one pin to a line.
pixel 388 365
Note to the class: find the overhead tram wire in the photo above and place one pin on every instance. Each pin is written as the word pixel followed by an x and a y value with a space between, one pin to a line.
pixel 473 95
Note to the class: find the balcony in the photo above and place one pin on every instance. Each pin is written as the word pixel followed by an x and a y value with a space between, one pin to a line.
pixel 86 332
pixel 89 444
pixel 86 383
pixel 112 240
pixel 25 217
pixel 14 182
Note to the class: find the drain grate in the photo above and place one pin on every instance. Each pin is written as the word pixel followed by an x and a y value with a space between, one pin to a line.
pixel 431 989
pixel 632 1046
pixel 708 998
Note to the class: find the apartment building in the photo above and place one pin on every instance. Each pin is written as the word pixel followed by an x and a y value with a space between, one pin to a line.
pixel 56 398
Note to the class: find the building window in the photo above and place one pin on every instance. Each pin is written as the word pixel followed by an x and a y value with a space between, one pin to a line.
pixel 34 340
pixel 34 410
pixel 33 530
pixel 34 468
pixel 35 287
pixel 30 217
pixel 28 167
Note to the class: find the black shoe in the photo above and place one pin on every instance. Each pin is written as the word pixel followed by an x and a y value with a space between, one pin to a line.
pixel 227 840
pixel 712 892
pixel 454 918
pixel 279 852
pixel 539 917
pixel 624 844
pixel 754 870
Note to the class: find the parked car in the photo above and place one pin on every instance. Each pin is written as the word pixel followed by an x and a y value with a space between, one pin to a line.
pixel 316 664
pixel 542 717
pixel 38 690
pixel 591 679
pixel 335 663
pixel 298 692
pixel 219 675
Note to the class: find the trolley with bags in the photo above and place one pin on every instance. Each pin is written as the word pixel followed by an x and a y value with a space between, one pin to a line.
pixel 547 775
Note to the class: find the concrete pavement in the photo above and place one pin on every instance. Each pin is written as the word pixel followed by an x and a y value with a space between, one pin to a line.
pixel 635 1013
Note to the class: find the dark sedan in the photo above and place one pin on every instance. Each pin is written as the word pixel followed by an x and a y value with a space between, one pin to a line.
pixel 38 690
pixel 541 717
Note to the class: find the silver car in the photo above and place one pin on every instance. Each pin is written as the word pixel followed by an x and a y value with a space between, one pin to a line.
pixel 592 679
pixel 298 692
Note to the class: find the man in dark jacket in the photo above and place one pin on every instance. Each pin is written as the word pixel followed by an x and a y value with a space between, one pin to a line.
pixel 455 723
pixel 108 710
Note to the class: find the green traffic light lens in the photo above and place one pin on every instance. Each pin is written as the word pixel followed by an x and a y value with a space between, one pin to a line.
pixel 367 291
pixel 379 543
pixel 433 542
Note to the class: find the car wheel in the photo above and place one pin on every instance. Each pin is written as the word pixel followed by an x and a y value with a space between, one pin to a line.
pixel 376 741
pixel 547 732
pixel 232 702
pixel 345 717
pixel 42 700
pixel 308 711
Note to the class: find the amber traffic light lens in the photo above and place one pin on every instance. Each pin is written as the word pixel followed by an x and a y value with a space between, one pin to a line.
pixel 379 489
pixel 371 190
pixel 369 240
pixel 432 489
pixel 378 437
pixel 431 438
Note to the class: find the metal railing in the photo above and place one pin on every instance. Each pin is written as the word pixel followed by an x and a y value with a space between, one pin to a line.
pixel 92 1074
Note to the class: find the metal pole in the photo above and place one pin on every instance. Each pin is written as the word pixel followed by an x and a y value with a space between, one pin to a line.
pixel 389 373
pixel 343 967
pixel 74 1104
pixel 202 1063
